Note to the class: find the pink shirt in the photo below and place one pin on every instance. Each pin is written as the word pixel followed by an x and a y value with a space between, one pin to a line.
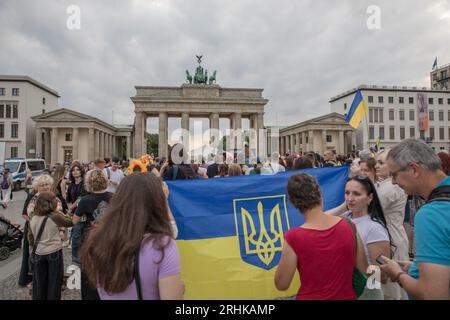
pixel 150 272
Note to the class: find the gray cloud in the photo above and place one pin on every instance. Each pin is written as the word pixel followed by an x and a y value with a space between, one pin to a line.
pixel 301 52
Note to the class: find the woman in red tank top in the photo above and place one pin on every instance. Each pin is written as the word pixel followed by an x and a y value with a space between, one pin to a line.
pixel 322 249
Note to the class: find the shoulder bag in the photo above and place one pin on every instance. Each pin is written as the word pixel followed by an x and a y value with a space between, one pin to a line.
pixel 32 258
pixel 359 279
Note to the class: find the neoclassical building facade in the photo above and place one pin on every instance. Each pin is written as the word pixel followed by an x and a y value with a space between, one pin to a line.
pixel 191 101
pixel 328 132
pixel 65 135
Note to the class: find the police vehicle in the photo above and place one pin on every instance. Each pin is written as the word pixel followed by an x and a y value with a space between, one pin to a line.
pixel 18 169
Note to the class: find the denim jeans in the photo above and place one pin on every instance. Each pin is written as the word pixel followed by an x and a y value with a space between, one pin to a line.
pixel 76 241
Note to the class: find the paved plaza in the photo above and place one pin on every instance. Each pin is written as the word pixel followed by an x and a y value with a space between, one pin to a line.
pixel 10 268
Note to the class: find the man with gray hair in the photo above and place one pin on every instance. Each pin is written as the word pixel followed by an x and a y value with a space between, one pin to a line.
pixel 417 170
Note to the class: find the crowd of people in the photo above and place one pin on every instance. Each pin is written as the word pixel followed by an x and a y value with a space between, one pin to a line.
pixel 396 216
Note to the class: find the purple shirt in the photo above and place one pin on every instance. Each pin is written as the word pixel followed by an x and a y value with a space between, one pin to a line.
pixel 150 272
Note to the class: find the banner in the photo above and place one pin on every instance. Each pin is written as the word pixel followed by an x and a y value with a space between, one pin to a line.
pixel 231 231
pixel 422 109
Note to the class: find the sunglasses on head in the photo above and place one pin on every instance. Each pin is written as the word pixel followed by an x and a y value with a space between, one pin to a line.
pixel 363 179
pixel 360 177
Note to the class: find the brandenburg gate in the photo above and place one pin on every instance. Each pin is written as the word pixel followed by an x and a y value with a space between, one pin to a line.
pixel 199 97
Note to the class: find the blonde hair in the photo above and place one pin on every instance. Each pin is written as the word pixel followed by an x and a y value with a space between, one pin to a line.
pixel 234 170
pixel 95 181
pixel 42 179
pixel 383 154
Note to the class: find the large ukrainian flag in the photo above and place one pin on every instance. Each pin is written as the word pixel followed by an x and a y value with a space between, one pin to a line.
pixel 357 111
pixel 231 231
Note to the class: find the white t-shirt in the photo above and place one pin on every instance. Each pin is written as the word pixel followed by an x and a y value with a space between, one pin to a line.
pixel 114 176
pixel 369 231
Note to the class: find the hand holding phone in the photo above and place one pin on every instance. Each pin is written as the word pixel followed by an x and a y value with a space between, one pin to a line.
pixel 382 259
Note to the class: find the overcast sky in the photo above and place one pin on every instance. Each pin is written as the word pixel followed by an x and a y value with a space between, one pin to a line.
pixel 300 52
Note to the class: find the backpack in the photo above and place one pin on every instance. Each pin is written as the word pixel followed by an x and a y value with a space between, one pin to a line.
pixel 98 213
pixel 5 183
pixel 441 193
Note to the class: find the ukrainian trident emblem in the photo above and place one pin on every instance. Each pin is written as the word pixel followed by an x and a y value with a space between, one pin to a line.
pixel 260 226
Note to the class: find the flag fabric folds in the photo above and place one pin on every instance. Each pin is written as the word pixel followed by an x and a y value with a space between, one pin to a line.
pixel 435 64
pixel 231 231
pixel 357 111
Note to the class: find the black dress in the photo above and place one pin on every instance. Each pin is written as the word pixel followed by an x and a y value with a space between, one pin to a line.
pixel 25 277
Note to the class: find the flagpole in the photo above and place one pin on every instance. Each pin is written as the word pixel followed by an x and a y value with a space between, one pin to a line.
pixel 367 124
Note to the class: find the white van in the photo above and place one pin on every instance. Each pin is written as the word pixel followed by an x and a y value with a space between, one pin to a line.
pixel 18 169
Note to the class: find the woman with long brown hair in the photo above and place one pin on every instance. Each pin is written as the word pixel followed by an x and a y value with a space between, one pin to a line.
pixel 134 227
pixel 59 185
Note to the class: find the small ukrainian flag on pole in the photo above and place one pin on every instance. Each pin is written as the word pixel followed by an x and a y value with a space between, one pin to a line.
pixel 377 144
pixel 357 111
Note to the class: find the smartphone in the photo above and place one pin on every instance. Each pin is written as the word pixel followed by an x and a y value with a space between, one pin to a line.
pixel 381 259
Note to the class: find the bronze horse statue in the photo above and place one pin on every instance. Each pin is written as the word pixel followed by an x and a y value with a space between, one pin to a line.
pixel 200 77
pixel 212 78
pixel 188 77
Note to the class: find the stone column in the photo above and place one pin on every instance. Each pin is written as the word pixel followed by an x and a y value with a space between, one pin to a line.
pixel 297 138
pixel 100 144
pixel 185 127
pixel 92 141
pixel 38 143
pixel 237 126
pixel 75 144
pixel 237 120
pixel 106 140
pixel 54 146
pixel 163 135
pixel 105 144
pixel 293 143
pixel 288 144
pixel 280 143
pixel 353 139
pixel 304 145
pixel 324 140
pixel 214 124
pixel 311 140
pixel 144 125
pixel 109 145
pixel 254 126
pixel 128 155
pixel 261 134
pixel 96 144
pixel 139 134
pixel 114 146
pixel 342 148
pixel 47 146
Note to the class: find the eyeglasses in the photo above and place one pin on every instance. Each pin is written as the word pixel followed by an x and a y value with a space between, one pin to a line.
pixel 394 173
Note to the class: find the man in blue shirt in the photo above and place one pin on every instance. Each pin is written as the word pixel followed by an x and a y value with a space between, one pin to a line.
pixel 417 170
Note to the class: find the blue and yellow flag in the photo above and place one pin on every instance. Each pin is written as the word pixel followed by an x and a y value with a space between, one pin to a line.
pixel 231 231
pixel 377 143
pixel 357 111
